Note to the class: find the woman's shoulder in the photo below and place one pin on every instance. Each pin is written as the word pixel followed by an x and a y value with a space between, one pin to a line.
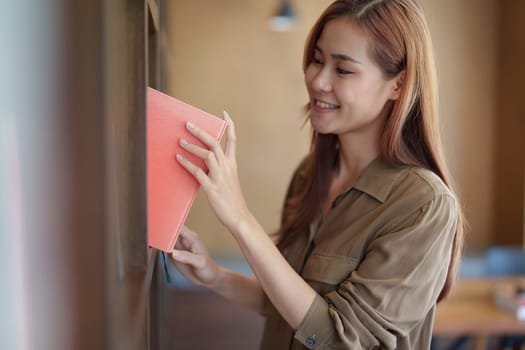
pixel 415 190
pixel 417 184
pixel 426 179
pixel 388 180
pixel 405 185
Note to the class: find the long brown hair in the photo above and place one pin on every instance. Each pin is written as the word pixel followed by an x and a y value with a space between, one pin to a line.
pixel 401 43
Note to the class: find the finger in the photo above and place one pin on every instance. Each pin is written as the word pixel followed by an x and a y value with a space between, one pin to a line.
pixel 183 243
pixel 206 138
pixel 187 232
pixel 231 139
pixel 191 241
pixel 193 245
pixel 185 257
pixel 206 155
pixel 196 171
pixel 179 243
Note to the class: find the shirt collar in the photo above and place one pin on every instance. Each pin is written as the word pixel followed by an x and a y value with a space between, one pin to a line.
pixel 377 180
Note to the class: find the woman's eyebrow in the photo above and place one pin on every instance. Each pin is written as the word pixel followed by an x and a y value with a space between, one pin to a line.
pixel 340 56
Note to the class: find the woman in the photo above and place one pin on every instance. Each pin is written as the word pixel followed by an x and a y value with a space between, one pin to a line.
pixel 371 229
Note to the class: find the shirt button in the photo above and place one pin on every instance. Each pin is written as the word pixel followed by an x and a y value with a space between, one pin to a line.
pixel 310 341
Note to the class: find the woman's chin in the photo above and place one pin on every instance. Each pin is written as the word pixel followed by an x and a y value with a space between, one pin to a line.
pixel 319 127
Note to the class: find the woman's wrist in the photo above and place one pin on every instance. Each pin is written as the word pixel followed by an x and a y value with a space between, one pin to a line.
pixel 245 223
pixel 216 284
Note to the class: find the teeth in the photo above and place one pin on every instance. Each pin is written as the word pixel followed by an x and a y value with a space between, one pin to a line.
pixel 325 105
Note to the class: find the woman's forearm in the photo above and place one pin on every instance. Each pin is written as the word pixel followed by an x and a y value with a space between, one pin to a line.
pixel 288 292
pixel 240 289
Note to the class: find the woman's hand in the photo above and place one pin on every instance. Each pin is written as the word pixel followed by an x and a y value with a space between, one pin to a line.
pixel 221 183
pixel 288 291
pixel 193 261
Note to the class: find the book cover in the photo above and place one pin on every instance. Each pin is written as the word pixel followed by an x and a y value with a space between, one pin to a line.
pixel 171 190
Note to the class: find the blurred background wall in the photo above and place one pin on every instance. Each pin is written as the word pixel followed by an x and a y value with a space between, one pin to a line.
pixel 223 56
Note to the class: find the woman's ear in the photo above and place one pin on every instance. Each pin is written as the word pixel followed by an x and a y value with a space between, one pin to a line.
pixel 398 85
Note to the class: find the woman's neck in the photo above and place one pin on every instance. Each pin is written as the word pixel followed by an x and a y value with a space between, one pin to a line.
pixel 352 163
pixel 354 157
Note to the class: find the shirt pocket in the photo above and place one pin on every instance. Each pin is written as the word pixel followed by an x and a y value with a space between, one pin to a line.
pixel 328 269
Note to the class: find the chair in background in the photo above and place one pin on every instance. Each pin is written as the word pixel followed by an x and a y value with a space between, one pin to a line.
pixel 506 261
pixel 497 261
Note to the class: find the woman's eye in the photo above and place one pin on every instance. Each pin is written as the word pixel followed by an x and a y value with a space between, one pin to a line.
pixel 343 71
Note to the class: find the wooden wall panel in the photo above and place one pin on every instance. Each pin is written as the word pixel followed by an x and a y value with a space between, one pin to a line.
pixel 509 126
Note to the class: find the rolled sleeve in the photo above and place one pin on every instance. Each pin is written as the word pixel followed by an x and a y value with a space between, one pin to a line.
pixel 325 327
pixel 317 329
pixel 392 290
pixel 404 270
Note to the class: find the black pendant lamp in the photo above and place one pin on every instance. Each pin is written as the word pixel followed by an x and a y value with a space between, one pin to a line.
pixel 284 19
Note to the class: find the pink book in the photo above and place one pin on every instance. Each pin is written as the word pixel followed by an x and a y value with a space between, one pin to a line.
pixel 171 189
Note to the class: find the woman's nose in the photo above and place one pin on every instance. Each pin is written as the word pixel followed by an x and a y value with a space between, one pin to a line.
pixel 322 81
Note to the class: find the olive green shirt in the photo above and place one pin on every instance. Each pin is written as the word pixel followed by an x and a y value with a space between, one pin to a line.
pixel 378 261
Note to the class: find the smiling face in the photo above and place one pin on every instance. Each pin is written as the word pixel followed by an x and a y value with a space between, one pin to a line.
pixel 348 91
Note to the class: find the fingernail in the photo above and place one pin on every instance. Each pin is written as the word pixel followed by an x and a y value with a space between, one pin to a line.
pixel 183 142
pixel 190 125
pixel 225 114
pixel 179 157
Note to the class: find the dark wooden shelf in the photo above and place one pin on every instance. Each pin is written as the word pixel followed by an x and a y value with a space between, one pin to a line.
pixel 153 15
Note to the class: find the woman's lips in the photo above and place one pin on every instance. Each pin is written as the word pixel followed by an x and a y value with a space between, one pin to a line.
pixel 322 106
